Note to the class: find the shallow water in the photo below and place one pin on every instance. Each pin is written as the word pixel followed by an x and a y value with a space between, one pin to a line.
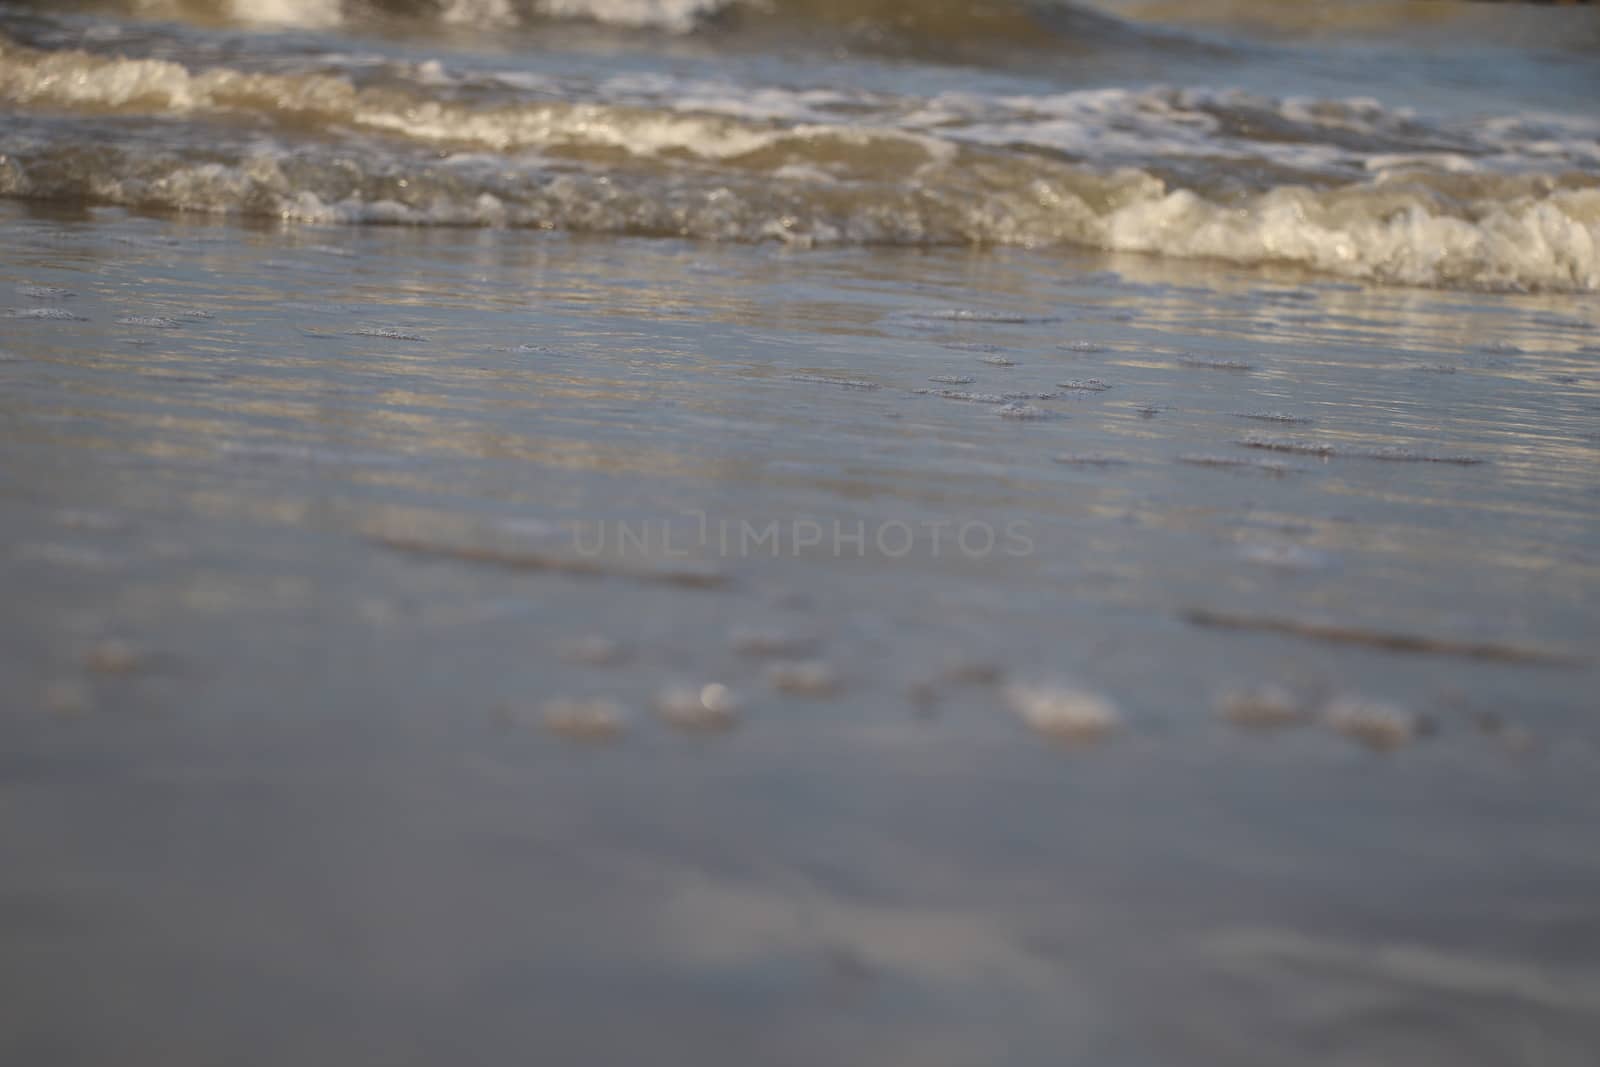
pixel 349 513
pixel 1128 659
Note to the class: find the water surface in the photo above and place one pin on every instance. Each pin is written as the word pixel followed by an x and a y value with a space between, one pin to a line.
pixel 400 413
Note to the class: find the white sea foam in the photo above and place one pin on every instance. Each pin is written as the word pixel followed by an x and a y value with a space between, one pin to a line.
pixel 661 155
pixel 678 16
pixel 311 13
pixel 484 13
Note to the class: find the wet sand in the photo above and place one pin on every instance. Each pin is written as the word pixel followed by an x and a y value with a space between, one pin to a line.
pixel 449 645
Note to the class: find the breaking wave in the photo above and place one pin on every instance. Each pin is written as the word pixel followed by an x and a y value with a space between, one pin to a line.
pixel 928 22
pixel 1346 187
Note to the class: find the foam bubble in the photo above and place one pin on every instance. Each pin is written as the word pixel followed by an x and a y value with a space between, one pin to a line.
pixel 1024 412
pixel 1266 707
pixel 811 678
pixel 584 719
pixel 705 708
pixel 1064 712
pixel 1377 724
pixel 50 313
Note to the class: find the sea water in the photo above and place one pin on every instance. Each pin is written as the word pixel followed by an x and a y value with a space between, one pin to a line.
pixel 799 532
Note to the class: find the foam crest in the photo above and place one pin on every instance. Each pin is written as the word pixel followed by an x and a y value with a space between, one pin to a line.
pixel 665 156
pixel 308 13
pixel 675 16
